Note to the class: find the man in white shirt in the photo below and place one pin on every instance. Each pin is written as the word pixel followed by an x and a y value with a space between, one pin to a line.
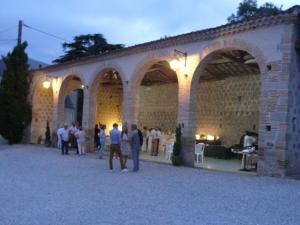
pixel 59 131
pixel 248 141
pixel 65 140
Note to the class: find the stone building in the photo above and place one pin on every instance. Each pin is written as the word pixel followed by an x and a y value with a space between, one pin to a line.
pixel 219 81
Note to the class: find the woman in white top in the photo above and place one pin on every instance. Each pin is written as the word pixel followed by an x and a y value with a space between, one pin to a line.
pixel 80 136
pixel 125 145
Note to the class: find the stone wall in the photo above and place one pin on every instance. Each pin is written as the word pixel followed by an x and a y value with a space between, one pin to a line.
pixel 42 111
pixel 109 106
pixel 158 106
pixel 229 107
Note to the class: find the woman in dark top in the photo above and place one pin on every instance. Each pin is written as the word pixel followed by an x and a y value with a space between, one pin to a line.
pixel 96 138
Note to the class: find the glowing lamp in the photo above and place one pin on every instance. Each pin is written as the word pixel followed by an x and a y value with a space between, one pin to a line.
pixel 175 64
pixel 210 137
pixel 197 136
pixel 82 86
pixel 46 84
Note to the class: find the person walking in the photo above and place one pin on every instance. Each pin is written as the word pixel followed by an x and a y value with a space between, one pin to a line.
pixel 80 136
pixel 65 140
pixel 102 138
pixel 135 147
pixel 115 141
pixel 124 145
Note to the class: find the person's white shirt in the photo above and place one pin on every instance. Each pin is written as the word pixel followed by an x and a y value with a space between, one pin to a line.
pixel 59 132
pixel 73 130
pixel 65 134
pixel 153 134
pixel 158 134
pixel 248 141
pixel 80 135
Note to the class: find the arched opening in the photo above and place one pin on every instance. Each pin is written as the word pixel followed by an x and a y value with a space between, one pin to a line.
pixel 227 111
pixel 71 101
pixel 157 109
pixel 109 99
pixel 42 111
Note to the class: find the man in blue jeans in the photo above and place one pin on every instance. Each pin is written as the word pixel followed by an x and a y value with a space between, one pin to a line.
pixel 135 147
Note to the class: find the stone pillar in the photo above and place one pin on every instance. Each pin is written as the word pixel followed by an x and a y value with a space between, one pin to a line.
pixel 277 140
pixel 87 120
pixel 130 103
pixel 187 151
pixel 185 108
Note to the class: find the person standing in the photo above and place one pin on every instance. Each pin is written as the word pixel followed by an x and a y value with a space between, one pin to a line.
pixel 96 137
pixel 102 140
pixel 115 141
pixel 80 136
pixel 73 131
pixel 135 147
pixel 124 145
pixel 146 134
pixel 154 142
pixel 158 137
pixel 59 142
pixel 65 140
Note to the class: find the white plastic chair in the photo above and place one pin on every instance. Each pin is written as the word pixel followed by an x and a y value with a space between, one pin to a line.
pixel 169 150
pixel 199 151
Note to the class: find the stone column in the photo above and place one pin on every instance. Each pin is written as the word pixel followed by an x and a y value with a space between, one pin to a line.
pixel 56 123
pixel 185 108
pixel 130 103
pixel 279 110
pixel 87 121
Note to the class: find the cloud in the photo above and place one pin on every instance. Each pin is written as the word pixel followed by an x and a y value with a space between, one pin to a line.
pixel 127 22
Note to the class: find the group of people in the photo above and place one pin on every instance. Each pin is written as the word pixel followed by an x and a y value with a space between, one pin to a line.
pixel 74 136
pixel 153 135
pixel 121 142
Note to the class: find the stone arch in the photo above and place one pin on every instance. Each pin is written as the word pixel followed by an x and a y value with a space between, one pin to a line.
pixel 213 48
pixel 42 109
pixel 93 88
pixel 138 75
pixel 205 55
pixel 63 92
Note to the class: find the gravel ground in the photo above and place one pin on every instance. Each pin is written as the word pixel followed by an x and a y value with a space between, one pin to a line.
pixel 38 186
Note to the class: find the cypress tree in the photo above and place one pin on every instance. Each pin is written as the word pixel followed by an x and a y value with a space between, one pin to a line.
pixel 47 135
pixel 15 109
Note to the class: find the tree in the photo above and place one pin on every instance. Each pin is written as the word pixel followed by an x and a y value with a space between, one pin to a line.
pixel 176 158
pixel 15 109
pixel 249 9
pixel 86 45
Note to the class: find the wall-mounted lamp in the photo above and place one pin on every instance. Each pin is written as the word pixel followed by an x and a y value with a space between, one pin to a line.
pixel 84 86
pixel 175 64
pixel 47 83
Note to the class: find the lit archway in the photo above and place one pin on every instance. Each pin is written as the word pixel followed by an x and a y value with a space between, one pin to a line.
pixel 227 89
pixel 70 101
pixel 106 100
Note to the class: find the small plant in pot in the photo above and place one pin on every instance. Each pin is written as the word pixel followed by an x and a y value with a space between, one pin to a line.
pixel 176 158
pixel 47 135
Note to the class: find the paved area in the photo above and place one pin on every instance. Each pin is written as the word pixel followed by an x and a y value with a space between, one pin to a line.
pixel 38 186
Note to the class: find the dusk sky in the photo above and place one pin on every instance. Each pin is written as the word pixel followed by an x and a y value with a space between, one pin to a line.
pixel 124 22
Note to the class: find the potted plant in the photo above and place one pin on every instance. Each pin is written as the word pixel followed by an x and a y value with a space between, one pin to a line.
pixel 47 135
pixel 176 158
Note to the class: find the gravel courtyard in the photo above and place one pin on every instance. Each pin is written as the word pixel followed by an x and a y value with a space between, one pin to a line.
pixel 38 186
